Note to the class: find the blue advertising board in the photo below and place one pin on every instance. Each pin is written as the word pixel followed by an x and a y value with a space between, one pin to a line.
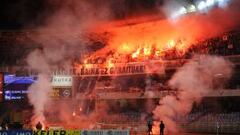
pixel 16 132
pixel 16 87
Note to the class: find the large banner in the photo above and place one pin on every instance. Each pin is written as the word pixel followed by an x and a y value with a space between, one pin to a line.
pixel 126 68
pixel 118 70
pixel 65 132
pixel 40 132
pixel 57 132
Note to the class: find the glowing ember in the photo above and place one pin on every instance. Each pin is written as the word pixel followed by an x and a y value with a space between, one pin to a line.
pixel 110 64
pixel 147 51
pixel 136 54
pixel 74 114
pixel 171 44
pixel 125 48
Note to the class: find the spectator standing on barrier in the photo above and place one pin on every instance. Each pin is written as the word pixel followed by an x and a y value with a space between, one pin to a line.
pixel 39 126
pixel 161 126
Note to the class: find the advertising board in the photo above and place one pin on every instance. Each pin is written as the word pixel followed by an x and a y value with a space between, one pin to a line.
pixel 61 81
pixel 16 87
pixel 59 93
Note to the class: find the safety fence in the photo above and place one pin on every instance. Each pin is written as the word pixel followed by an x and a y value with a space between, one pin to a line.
pixel 212 127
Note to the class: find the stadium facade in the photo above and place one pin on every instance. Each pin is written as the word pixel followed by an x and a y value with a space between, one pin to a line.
pixel 130 92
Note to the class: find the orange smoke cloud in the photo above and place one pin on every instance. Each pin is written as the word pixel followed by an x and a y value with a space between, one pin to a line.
pixel 154 34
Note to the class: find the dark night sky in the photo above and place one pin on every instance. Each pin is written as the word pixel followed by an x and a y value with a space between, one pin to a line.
pixel 31 14
pixel 17 14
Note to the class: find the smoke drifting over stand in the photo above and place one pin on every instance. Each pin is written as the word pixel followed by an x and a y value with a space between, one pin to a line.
pixel 39 92
pixel 39 97
pixel 193 81
pixel 62 39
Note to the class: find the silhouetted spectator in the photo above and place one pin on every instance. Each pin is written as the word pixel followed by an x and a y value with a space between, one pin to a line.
pixel 4 125
pixel 39 126
pixel 150 124
pixel 162 126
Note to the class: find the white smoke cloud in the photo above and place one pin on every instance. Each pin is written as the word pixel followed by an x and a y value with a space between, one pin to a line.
pixel 37 61
pixel 39 91
pixel 38 97
pixel 193 81
pixel 174 9
pixel 61 39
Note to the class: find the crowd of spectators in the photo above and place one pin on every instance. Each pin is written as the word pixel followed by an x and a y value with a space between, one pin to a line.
pixel 224 45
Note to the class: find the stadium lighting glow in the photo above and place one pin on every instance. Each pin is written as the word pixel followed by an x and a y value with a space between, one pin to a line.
pixel 192 8
pixel 179 13
pixel 222 3
pixel 210 3
pixel 201 5
pixel 182 10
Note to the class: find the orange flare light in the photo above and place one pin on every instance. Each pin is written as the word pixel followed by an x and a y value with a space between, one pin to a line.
pixel 143 41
